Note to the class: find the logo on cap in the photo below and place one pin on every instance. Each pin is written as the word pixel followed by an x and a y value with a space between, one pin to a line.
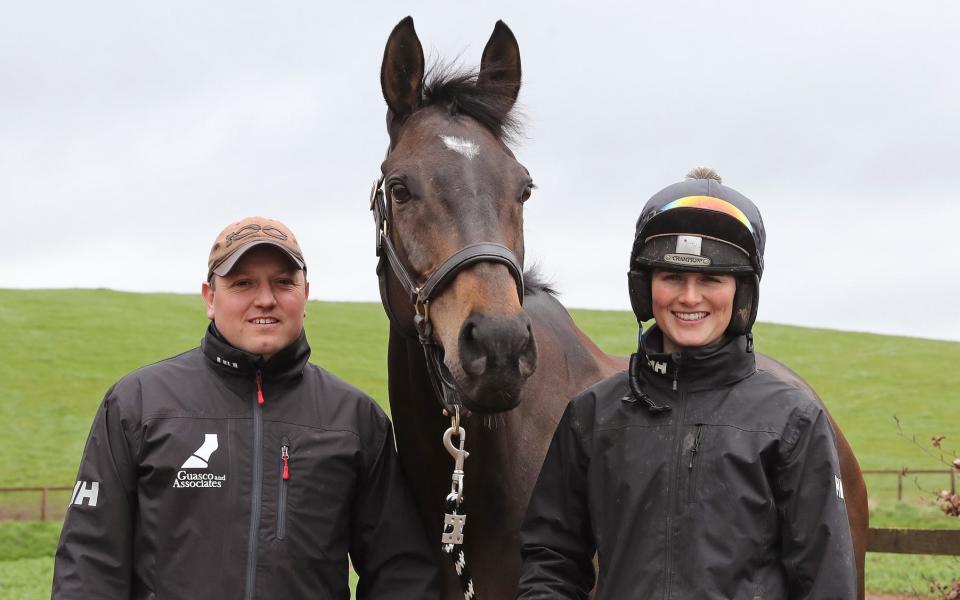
pixel 253 229
pixel 687 260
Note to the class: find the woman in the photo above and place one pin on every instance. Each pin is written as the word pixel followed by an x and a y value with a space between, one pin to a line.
pixel 694 475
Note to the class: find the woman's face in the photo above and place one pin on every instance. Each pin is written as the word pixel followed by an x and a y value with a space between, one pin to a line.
pixel 692 309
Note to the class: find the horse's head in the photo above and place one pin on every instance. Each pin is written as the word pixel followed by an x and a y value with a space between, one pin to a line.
pixel 450 182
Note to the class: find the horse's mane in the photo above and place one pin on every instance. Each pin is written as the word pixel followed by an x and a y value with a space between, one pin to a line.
pixel 534 282
pixel 455 88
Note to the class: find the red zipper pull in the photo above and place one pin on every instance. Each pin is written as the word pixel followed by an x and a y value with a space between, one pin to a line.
pixel 259 390
pixel 286 462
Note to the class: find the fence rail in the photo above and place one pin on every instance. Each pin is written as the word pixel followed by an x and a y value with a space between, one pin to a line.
pixel 44 493
pixel 914 541
pixel 901 473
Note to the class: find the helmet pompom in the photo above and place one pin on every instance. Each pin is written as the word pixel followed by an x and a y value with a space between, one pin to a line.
pixel 704 173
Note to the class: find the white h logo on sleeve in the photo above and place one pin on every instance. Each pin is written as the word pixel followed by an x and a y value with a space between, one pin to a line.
pixel 839 485
pixel 85 490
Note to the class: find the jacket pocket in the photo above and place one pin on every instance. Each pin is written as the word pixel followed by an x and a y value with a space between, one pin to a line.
pixel 282 495
pixel 692 468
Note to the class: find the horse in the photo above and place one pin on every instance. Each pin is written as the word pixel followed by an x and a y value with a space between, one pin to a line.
pixel 471 333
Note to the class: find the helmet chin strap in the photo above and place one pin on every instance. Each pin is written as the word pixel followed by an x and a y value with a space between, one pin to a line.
pixel 637 382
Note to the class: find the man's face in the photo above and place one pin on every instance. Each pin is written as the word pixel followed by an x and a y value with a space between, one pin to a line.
pixel 258 306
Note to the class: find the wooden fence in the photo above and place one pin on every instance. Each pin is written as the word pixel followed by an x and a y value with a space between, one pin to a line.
pixel 914 541
pixel 904 472
pixel 44 494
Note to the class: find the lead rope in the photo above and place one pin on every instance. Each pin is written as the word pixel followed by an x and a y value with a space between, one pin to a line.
pixel 453 520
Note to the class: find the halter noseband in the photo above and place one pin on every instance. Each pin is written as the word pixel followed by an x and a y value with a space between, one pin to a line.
pixel 421 295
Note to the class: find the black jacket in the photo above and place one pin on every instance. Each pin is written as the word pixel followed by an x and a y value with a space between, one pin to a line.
pixel 181 490
pixel 732 494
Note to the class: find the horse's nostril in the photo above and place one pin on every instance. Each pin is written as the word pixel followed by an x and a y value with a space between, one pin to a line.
pixel 473 356
pixel 527 363
pixel 475 367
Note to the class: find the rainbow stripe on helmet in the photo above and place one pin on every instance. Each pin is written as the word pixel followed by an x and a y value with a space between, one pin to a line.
pixel 710 203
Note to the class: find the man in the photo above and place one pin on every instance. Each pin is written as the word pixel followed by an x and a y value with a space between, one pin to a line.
pixel 695 474
pixel 238 469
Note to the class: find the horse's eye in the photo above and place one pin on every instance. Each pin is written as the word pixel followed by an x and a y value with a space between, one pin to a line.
pixel 399 193
pixel 527 192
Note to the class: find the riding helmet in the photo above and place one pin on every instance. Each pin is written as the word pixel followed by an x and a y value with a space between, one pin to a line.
pixel 704 226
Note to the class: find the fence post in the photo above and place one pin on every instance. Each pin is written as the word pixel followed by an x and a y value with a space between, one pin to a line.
pixel 953 481
pixel 900 486
pixel 43 505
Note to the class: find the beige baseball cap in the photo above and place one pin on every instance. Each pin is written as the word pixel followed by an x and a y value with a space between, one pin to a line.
pixel 234 241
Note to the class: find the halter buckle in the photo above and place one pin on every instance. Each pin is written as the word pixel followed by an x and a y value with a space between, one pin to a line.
pixel 422 307
pixel 373 191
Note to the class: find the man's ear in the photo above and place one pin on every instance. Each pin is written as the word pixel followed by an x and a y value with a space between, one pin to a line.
pixel 306 289
pixel 206 290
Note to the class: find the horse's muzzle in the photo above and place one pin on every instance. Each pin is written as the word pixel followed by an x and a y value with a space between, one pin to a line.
pixel 497 355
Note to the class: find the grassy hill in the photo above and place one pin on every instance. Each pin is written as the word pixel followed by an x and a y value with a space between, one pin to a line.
pixel 62 349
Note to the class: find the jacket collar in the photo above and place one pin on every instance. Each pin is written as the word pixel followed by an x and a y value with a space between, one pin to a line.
pixel 286 363
pixel 720 364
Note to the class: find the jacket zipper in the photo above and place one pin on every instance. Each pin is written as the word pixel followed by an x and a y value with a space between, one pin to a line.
pixel 674 489
pixel 255 492
pixel 282 500
pixel 691 479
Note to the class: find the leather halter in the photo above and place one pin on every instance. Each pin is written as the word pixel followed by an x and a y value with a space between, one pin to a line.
pixel 421 295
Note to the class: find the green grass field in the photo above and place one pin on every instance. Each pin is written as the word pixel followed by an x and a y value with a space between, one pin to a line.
pixel 62 349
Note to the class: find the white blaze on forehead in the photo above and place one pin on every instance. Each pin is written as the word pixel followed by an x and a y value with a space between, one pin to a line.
pixel 461 146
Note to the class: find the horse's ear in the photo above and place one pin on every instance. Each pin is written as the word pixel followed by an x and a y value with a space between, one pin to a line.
pixel 500 65
pixel 401 75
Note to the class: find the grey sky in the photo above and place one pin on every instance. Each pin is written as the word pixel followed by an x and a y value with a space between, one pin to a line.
pixel 130 133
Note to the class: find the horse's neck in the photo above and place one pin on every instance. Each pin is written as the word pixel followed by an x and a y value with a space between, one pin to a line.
pixel 569 360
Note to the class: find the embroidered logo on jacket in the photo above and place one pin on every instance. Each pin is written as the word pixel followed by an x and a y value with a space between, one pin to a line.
pixel 85 492
pixel 200 459
pixel 227 363
pixel 839 485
